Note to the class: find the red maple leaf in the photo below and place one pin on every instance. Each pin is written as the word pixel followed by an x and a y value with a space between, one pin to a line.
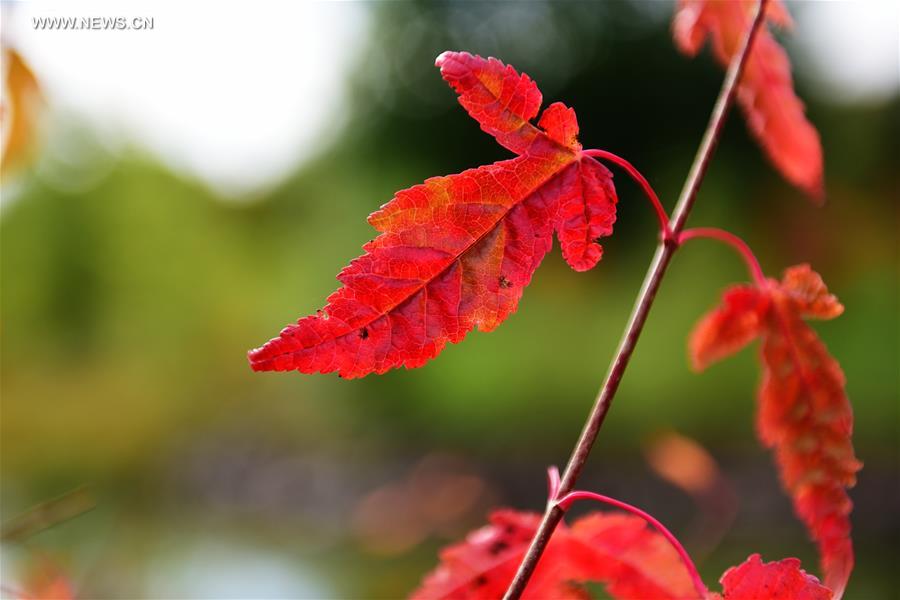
pixel 773 111
pixel 782 580
pixel 632 561
pixel 804 413
pixel 456 252
pixel 617 550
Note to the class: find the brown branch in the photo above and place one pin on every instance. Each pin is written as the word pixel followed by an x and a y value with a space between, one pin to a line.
pixel 664 252
pixel 48 514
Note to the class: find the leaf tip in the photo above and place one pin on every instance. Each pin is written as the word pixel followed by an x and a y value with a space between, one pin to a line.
pixel 695 362
pixel 258 360
pixel 443 57
pixel 274 355
pixel 816 193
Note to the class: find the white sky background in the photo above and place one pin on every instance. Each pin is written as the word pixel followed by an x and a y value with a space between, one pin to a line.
pixel 238 94
pixel 851 46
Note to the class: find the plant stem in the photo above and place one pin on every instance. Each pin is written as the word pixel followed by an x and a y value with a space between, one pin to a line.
pixel 660 262
pixel 661 214
pixel 726 237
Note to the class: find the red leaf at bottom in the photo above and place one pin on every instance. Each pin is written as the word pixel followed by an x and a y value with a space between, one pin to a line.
pixel 782 580
pixel 617 550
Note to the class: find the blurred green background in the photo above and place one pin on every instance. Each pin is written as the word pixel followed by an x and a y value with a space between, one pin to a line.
pixel 129 301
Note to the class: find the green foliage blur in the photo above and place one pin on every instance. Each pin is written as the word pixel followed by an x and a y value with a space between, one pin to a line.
pixel 130 297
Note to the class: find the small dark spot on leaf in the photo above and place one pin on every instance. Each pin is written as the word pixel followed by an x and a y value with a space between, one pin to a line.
pixel 364 333
pixel 480 581
pixel 504 282
pixel 497 547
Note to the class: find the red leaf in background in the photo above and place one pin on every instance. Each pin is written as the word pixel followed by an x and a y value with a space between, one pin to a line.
pixel 456 252
pixel 614 549
pixel 46 581
pixel 804 413
pixel 52 589
pixel 782 580
pixel 766 91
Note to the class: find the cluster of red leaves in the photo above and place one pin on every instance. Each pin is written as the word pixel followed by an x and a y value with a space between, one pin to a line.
pixel 456 252
pixel 804 413
pixel 613 549
pixel 774 113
